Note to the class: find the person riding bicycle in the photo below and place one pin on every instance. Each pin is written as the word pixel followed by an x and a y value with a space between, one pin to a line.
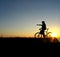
pixel 43 28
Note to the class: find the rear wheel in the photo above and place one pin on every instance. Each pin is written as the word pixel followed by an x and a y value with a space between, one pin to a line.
pixel 49 35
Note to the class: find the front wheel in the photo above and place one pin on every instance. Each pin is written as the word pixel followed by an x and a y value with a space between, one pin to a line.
pixel 37 35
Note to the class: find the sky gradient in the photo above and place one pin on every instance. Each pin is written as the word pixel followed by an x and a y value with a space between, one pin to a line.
pixel 19 17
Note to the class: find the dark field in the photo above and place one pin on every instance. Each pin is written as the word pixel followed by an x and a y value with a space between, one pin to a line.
pixel 29 42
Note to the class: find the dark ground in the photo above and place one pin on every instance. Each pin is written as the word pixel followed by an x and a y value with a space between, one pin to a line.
pixel 29 42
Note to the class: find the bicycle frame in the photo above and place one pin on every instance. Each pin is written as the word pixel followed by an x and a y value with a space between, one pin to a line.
pixel 47 34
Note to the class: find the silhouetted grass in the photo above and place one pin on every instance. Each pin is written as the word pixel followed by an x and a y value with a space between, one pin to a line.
pixel 29 42
pixel 52 40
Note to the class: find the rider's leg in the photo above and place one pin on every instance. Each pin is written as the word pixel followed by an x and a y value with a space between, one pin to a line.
pixel 43 34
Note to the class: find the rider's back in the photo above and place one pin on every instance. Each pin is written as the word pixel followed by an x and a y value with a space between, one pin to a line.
pixel 43 26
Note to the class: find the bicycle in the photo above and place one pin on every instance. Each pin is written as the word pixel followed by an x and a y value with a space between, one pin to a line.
pixel 47 34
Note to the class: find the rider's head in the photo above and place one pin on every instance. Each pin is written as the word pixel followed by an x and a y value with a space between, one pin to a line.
pixel 43 22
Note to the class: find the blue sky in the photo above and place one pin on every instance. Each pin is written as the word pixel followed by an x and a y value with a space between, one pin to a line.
pixel 19 17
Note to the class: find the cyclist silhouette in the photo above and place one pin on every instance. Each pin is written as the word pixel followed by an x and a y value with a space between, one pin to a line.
pixel 42 29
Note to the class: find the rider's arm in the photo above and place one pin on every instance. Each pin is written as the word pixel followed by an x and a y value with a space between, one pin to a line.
pixel 39 25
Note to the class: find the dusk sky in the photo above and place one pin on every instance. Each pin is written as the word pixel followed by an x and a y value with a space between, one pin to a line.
pixel 19 17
